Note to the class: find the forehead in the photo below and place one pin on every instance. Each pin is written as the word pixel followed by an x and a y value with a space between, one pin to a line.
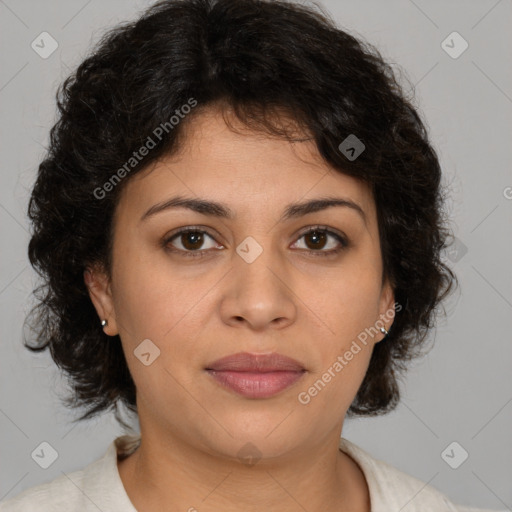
pixel 232 163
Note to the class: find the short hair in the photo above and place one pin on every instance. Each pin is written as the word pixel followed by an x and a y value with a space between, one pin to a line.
pixel 257 58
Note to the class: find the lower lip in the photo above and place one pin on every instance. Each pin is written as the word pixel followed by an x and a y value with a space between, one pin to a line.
pixel 256 384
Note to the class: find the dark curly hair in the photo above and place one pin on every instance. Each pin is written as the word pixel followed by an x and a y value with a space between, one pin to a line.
pixel 257 58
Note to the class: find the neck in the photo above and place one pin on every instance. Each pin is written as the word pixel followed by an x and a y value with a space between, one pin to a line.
pixel 177 476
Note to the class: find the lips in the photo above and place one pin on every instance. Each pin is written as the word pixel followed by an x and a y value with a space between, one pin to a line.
pixel 246 362
pixel 256 375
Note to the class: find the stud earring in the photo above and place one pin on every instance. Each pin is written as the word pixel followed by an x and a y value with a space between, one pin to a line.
pixel 104 323
pixel 383 331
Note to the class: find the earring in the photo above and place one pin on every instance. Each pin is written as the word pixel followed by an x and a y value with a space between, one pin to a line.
pixel 104 323
pixel 383 331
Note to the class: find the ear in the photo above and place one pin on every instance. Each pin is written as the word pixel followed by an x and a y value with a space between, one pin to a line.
pixel 100 291
pixel 386 308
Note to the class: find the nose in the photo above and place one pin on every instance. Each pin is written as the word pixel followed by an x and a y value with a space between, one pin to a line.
pixel 259 294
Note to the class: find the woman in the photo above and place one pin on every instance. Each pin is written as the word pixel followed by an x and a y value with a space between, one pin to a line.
pixel 239 226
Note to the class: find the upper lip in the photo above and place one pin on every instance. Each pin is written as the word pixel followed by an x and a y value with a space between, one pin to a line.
pixel 247 362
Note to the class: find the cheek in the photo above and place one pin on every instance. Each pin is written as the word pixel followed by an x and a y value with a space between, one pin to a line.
pixel 149 298
pixel 351 303
pixel 350 308
pixel 343 361
pixel 168 307
pixel 329 392
pixel 154 305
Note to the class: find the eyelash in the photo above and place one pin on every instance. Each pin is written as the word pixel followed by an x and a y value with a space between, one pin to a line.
pixel 201 253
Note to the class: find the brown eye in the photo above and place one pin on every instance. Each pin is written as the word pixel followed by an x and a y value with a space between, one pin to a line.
pixel 190 242
pixel 317 240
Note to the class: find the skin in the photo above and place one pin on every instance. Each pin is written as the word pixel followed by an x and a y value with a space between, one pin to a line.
pixel 197 310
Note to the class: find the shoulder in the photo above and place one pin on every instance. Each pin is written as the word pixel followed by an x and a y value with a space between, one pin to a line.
pixel 60 494
pixel 96 487
pixel 392 489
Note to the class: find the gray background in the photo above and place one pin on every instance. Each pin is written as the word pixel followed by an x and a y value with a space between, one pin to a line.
pixel 461 391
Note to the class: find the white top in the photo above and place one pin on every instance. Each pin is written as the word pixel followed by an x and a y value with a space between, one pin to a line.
pixel 98 487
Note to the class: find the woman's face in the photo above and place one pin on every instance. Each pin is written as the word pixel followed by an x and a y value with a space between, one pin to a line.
pixel 261 285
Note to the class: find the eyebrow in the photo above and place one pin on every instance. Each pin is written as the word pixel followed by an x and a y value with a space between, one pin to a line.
pixel 220 210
